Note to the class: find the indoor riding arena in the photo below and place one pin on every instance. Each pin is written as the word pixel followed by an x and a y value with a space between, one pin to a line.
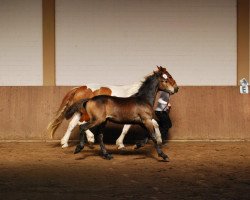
pixel 72 73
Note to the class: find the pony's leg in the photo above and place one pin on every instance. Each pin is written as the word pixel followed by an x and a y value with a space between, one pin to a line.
pixel 72 124
pixel 119 141
pixel 80 146
pixel 89 134
pixel 100 130
pixel 157 132
pixel 143 142
pixel 83 128
pixel 105 154
pixel 150 127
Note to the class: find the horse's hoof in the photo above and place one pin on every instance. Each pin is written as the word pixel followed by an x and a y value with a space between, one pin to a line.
pixel 65 145
pixel 63 141
pixel 165 157
pixel 121 147
pixel 107 156
pixel 91 140
pixel 91 145
pixel 137 146
pixel 78 149
pixel 164 143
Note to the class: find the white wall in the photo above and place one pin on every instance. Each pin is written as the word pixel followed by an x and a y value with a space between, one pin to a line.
pixel 21 42
pixel 118 42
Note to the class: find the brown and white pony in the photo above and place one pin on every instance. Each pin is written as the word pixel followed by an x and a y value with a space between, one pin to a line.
pixel 137 109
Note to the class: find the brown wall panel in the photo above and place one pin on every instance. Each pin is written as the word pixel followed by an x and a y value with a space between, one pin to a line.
pixel 210 113
pixel 243 69
pixel 198 113
pixel 48 42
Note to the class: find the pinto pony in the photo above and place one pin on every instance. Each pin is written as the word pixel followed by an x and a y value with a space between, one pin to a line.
pixel 137 109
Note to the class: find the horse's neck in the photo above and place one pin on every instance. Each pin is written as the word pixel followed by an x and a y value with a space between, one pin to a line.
pixel 150 97
pixel 150 94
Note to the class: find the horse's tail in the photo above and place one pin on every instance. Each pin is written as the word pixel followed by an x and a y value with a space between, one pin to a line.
pixel 76 107
pixel 59 116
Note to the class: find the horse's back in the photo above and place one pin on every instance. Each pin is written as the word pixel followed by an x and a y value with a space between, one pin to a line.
pixel 83 93
pixel 103 91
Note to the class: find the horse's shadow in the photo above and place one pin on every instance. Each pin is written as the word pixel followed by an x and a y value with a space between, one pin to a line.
pixel 140 154
pixel 94 151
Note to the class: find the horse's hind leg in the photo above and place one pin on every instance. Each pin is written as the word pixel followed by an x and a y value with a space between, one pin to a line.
pixel 89 134
pixel 105 154
pixel 80 146
pixel 83 128
pixel 141 143
pixel 119 141
pixel 72 124
pixel 150 127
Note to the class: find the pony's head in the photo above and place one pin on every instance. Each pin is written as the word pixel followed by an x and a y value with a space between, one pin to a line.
pixel 166 81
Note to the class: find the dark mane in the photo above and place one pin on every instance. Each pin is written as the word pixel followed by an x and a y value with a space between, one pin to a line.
pixel 148 88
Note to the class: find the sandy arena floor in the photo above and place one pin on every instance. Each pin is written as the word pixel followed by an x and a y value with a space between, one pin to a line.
pixel 197 170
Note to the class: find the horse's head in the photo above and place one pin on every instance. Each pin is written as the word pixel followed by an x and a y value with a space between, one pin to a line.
pixel 166 81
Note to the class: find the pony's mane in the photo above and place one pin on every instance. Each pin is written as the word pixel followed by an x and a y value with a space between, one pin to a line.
pixel 148 84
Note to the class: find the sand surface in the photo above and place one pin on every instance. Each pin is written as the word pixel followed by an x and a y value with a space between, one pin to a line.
pixel 197 170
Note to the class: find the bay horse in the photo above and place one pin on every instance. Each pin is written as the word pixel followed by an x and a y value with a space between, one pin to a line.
pixel 137 109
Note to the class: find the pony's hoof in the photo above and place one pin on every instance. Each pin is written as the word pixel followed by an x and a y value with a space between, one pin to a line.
pixel 107 156
pixel 78 149
pixel 63 142
pixel 165 157
pixel 65 145
pixel 121 147
pixel 164 143
pixel 91 140
pixel 91 145
pixel 137 146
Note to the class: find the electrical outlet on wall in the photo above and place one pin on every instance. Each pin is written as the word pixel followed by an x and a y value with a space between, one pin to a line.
pixel 244 86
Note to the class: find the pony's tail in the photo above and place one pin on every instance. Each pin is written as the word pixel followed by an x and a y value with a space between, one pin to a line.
pixel 76 107
pixel 59 117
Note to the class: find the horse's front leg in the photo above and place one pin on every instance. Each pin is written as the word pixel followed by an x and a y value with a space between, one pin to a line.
pixel 157 132
pixel 105 154
pixel 119 141
pixel 83 128
pixel 143 142
pixel 89 134
pixel 150 127
pixel 72 125
pixel 80 146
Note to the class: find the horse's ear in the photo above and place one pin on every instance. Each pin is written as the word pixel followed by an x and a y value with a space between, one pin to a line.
pixel 160 68
pixel 163 69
